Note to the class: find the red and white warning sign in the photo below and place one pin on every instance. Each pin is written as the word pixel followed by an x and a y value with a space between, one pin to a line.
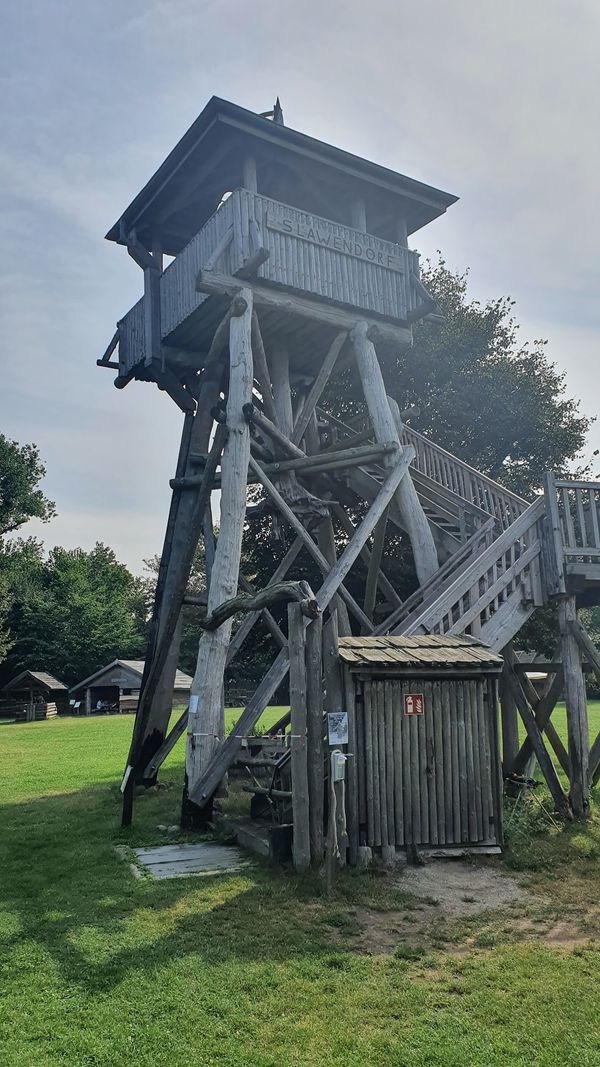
pixel 414 704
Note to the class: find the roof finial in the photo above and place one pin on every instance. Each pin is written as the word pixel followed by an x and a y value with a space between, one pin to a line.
pixel 278 113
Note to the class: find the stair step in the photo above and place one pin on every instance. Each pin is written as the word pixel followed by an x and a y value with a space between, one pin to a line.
pixel 273 842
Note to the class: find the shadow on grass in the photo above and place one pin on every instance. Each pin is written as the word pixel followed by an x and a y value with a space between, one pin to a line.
pixel 66 893
pixel 66 896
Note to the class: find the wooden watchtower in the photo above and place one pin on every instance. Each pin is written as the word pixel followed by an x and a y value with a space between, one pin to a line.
pixel 290 260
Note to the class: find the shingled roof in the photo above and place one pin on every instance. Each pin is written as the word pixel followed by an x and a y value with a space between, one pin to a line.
pixel 422 651
pixel 47 681
pixel 136 666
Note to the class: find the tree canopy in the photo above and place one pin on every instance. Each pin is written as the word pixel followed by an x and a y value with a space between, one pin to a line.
pixel 21 499
pixel 478 391
pixel 71 612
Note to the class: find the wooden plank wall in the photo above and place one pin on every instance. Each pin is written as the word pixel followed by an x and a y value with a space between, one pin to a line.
pixel 313 267
pixel 305 265
pixel 431 779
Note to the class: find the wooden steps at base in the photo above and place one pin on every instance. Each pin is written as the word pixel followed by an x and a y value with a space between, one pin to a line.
pixel 272 842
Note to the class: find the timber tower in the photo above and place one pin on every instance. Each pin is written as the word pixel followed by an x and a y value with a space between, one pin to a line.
pixel 288 262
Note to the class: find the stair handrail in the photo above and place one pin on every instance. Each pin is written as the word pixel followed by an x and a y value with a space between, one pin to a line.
pixel 441 578
pixel 474 486
pixel 434 615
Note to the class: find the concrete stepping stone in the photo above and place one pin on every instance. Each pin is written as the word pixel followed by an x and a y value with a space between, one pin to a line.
pixel 204 858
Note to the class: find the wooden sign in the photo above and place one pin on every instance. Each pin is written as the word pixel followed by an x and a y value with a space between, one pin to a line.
pixel 323 234
pixel 414 704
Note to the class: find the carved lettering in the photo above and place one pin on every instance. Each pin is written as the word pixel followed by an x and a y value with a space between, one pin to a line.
pixel 327 238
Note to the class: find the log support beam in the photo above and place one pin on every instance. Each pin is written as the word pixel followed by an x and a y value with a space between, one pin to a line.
pixel 386 429
pixel 206 716
pixel 576 702
pixel 509 714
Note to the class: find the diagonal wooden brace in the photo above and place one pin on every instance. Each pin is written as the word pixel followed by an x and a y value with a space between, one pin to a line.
pixel 228 750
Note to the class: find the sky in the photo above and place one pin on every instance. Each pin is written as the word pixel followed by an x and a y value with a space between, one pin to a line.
pixel 495 102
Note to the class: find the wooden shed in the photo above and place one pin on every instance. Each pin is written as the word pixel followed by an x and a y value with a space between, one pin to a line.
pixel 34 695
pixel 116 688
pixel 426 748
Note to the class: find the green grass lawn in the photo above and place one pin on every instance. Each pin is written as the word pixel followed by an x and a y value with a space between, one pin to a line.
pixel 98 969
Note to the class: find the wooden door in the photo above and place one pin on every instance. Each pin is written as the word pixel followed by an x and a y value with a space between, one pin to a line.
pixel 428 763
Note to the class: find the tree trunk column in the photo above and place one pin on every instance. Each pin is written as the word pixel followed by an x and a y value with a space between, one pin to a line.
pixel 206 718
pixel 576 701
pixel 509 714
pixel 413 517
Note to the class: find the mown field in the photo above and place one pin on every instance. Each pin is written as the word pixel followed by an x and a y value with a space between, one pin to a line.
pixel 98 969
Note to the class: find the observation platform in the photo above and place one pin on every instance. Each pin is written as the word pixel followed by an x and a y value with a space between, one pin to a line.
pixel 322 231
pixel 336 266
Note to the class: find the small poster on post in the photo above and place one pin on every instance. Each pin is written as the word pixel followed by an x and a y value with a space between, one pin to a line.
pixel 414 704
pixel 337 727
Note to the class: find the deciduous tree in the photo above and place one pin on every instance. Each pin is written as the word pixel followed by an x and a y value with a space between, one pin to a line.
pixel 21 499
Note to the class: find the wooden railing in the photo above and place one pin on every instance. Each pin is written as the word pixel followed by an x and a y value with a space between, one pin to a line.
pixel 571 541
pixel 578 506
pixel 402 617
pixel 465 481
pixel 307 253
pixel 501 578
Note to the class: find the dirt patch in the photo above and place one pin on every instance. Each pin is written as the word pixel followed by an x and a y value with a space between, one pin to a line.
pixel 562 935
pixel 461 889
pixel 380 932
pixel 445 895
pixel 442 892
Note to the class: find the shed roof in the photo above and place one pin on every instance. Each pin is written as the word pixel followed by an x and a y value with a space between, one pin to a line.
pixel 47 681
pixel 136 667
pixel 216 144
pixel 422 651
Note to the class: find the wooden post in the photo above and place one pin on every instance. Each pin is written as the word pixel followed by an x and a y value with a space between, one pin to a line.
pixel 279 366
pixel 576 701
pixel 552 536
pixel 401 231
pixel 359 214
pixel 299 741
pixel 374 566
pixel 509 714
pixel 385 428
pixel 338 624
pixel 352 816
pixel 334 701
pixel 249 174
pixel 206 722
pixel 316 750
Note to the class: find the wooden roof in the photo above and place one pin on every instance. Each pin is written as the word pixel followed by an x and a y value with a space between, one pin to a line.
pixel 421 651
pixel 29 679
pixel 136 669
pixel 208 160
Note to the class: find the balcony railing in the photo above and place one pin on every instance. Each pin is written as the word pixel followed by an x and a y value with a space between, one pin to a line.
pixel 307 253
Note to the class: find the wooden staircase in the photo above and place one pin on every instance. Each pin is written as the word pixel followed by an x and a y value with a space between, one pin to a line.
pixel 501 557
pixel 495 594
